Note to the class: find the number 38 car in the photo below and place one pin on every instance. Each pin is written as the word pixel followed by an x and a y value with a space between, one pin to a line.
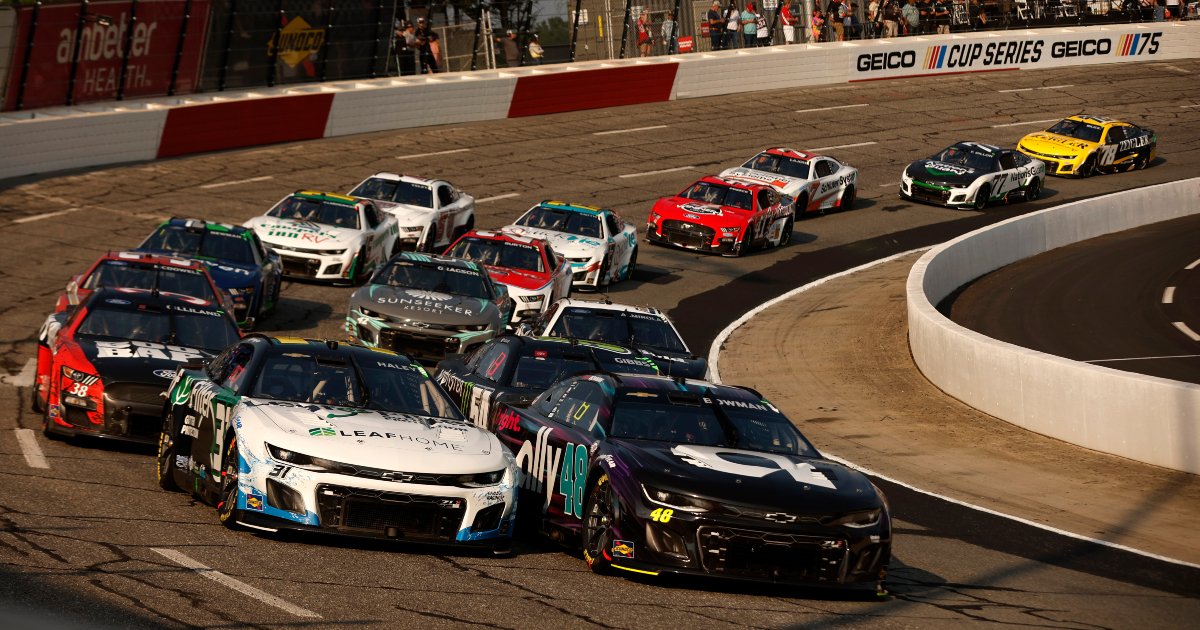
pixel 652 475
pixel 284 433
pixel 1079 146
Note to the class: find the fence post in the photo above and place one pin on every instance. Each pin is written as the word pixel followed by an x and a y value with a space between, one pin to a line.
pixel 33 22
pixel 678 29
pixel 575 28
pixel 228 46
pixel 378 38
pixel 275 42
pixel 528 29
pixel 187 14
pixel 128 47
pixel 774 19
pixel 475 49
pixel 625 28
pixel 324 57
pixel 83 5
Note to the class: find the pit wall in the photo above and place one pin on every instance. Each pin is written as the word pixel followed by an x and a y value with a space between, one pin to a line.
pixel 47 140
pixel 1148 419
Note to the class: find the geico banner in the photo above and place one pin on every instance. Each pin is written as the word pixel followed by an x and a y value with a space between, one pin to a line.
pixel 152 40
pixel 1006 53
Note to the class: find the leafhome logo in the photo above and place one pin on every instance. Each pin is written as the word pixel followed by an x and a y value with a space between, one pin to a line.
pixel 297 41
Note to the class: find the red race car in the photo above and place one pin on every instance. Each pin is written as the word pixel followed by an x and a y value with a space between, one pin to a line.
pixel 720 215
pixel 102 367
pixel 135 270
pixel 534 274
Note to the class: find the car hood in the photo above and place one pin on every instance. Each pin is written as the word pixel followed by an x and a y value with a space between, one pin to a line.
pixel 377 439
pixel 424 306
pixel 303 234
pixel 784 184
pixel 749 478
pixel 527 280
pixel 569 245
pixel 940 172
pixel 407 215
pixel 710 214
pixel 672 363
pixel 137 361
pixel 1054 144
pixel 231 275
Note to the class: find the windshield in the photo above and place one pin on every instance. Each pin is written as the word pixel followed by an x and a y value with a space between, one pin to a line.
pixel 196 327
pixel 316 211
pixel 720 194
pixel 617 327
pixel 400 192
pixel 779 164
pixel 558 220
pixel 1077 129
pixel 119 274
pixel 434 277
pixel 213 244
pixel 969 159
pixel 540 372
pixel 499 254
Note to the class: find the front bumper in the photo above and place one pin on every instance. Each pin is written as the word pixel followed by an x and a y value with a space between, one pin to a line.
pixel 703 239
pixel 426 344
pixel 316 267
pixel 1057 165
pixel 525 308
pixel 130 412
pixel 936 195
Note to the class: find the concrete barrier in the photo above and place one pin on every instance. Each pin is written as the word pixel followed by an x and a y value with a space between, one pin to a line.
pixel 225 120
pixel 1149 419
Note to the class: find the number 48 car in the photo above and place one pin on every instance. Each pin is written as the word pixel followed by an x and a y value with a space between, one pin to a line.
pixel 971 175
pixel 1082 145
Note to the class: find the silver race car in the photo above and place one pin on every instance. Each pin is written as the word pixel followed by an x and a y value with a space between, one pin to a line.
pixel 432 213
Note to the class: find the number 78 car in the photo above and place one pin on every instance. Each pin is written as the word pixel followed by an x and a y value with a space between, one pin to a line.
pixel 1079 146
pixel 285 433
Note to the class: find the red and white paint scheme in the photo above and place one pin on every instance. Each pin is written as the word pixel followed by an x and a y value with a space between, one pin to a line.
pixel 534 273
pixel 135 270
pixel 431 213
pixel 722 215
pixel 816 183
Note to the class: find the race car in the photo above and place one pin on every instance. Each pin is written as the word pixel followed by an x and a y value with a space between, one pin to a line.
pixel 515 370
pixel 1081 145
pixel 323 236
pixel 533 272
pixel 136 270
pixel 102 367
pixel 285 433
pixel 432 213
pixel 971 175
pixel 644 328
pixel 428 306
pixel 652 475
pixel 235 257
pixel 724 216
pixel 599 244
pixel 814 183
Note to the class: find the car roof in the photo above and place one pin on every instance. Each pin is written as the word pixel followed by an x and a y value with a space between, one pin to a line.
pixel 329 197
pixel 573 207
pixel 1097 120
pixel 801 155
pixel 607 306
pixel 207 225
pixel 504 236
pixel 968 145
pixel 728 181
pixel 412 179
pixel 147 297
pixel 435 258
pixel 668 383
pixel 155 259
pixel 323 347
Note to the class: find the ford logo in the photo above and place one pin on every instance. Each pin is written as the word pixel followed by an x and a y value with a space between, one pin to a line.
pixel 164 373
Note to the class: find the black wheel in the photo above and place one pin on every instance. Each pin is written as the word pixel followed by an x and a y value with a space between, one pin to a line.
pixel 431 241
pixel 227 509
pixel 981 197
pixel 800 206
pixel 39 405
pixel 847 200
pixel 46 430
pixel 747 241
pixel 467 227
pixel 1033 190
pixel 603 272
pixel 1143 163
pixel 395 248
pixel 1089 166
pixel 599 514
pixel 786 237
pixel 632 263
pixel 166 457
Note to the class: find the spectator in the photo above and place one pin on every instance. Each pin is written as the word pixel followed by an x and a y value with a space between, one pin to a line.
pixel 644 36
pixel 818 23
pixel 512 54
pixel 749 26
pixel 891 19
pixel 435 50
pixel 925 10
pixel 851 24
pixel 941 16
pixel 536 53
pixel 732 20
pixel 760 29
pixel 670 34
pixel 789 24
pixel 716 24
pixel 835 12
pixel 912 17
pixel 978 17
pixel 874 18
pixel 424 51
pixel 1160 9
pixel 1173 10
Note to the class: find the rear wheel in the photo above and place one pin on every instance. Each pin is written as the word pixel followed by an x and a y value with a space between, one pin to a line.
pixel 1033 190
pixel 847 200
pixel 599 515
pixel 982 197
pixel 166 457
pixel 1089 166
pixel 39 405
pixel 747 241
pixel 227 509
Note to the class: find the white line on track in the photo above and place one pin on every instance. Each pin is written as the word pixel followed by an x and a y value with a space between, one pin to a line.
pixel 1048 87
pixel 1187 106
pixel 605 133
pixel 487 199
pixel 822 109
pixel 240 181
pixel 714 356
pixel 241 587
pixel 1016 90
pixel 1169 295
pixel 24 378
pixel 666 170
pixel 841 146
pixel 31 450
pixel 1193 265
pixel 39 217
pixel 891 184
pixel 1187 331
pixel 1173 356
pixel 420 155
pixel 1028 122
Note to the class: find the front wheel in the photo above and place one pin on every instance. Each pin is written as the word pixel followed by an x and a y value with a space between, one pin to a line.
pixel 601 279
pixel 467 227
pixel 847 200
pixel 231 494
pixel 747 241
pixel 599 515
pixel 632 263
pixel 1089 166
pixel 981 197
pixel 1033 190
pixel 800 206
pixel 431 239
pixel 786 237
pixel 166 458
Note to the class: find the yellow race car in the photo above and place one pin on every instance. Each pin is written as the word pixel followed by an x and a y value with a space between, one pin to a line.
pixel 1082 145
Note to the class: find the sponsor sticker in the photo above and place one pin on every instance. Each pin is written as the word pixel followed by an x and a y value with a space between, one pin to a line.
pixel 254 501
pixel 622 549
pixel 164 373
pixel 114 301
pixel 321 432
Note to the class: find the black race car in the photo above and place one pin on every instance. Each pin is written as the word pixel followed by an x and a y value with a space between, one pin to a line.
pixel 972 175
pixel 651 475
pixel 515 370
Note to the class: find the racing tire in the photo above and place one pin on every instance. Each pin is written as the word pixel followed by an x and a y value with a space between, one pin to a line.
pixel 1088 168
pixel 46 430
pixel 786 237
pixel 395 248
pixel 600 281
pixel 431 240
pixel 848 198
pixel 800 206
pixel 166 458
pixel 599 510
pixel 466 227
pixel 1033 190
pixel 227 510
pixel 747 242
pixel 1142 163
pixel 37 403
pixel 981 198
pixel 632 264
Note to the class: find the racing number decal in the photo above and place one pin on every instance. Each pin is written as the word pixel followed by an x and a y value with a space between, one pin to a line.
pixel 79 389
pixel 573 478
pixel 1108 153
pixel 662 515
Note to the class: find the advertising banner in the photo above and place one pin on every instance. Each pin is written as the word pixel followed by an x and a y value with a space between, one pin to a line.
pixel 148 29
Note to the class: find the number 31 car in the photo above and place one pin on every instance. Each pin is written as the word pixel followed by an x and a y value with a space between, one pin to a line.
pixel 1082 145
pixel 284 433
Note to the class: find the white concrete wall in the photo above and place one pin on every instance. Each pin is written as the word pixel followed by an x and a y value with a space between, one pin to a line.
pixel 420 102
pixel 51 144
pixel 1145 418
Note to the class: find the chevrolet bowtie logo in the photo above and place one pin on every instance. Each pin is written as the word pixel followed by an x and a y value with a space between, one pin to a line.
pixel 780 517
pixel 397 476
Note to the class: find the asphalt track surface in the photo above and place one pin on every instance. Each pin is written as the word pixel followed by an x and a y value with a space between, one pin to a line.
pixel 1126 301
pixel 79 538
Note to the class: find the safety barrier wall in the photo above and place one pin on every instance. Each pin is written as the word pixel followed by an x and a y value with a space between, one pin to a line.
pixel 46 140
pixel 1149 419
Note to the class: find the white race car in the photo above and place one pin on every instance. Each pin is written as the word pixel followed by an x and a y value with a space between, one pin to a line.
pixel 815 182
pixel 285 433
pixel 432 213
pixel 323 236
pixel 601 247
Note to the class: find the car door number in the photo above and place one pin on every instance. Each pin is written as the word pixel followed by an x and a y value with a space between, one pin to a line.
pixel 662 515
pixel 79 389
